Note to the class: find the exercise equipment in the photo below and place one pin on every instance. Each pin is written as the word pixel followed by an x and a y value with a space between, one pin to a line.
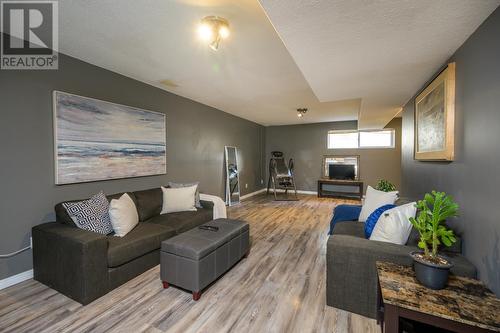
pixel 281 176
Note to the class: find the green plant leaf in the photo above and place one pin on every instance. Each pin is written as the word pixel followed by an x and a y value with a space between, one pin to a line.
pixel 434 210
pixel 429 199
pixel 385 185
pixel 446 241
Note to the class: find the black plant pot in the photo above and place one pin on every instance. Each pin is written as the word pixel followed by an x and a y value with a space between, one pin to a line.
pixel 431 275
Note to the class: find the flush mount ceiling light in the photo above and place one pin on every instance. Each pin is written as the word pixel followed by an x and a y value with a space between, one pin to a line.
pixel 213 29
pixel 301 112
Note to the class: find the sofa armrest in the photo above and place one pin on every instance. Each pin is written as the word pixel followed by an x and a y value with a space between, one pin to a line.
pixel 71 260
pixel 352 282
pixel 371 249
pixel 207 204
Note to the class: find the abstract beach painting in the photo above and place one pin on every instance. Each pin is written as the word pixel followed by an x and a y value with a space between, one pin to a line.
pixel 97 140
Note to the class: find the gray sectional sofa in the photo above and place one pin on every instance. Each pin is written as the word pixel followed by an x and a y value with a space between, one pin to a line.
pixel 84 265
pixel 351 275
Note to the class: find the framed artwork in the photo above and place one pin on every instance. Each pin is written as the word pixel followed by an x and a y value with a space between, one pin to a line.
pixel 435 118
pixel 97 140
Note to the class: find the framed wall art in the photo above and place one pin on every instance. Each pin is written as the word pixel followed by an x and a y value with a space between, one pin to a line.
pixel 97 140
pixel 435 118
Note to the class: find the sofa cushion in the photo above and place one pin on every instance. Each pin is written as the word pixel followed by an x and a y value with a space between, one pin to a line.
pixel 350 228
pixel 196 195
pixel 144 238
pixel 357 229
pixel 375 199
pixel 123 215
pixel 372 220
pixel 344 213
pixel 149 203
pixel 394 225
pixel 62 215
pixel 180 199
pixel 183 221
pixel 119 195
pixel 92 214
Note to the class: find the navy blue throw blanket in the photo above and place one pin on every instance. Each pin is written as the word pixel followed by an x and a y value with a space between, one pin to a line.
pixel 344 213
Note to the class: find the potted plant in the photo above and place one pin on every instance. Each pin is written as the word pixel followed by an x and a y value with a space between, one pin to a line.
pixel 385 185
pixel 431 268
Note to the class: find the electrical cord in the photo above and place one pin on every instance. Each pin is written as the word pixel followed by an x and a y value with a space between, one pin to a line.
pixel 8 255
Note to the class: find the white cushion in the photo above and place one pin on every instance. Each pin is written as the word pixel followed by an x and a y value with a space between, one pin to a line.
pixel 178 199
pixel 123 215
pixel 394 225
pixel 375 199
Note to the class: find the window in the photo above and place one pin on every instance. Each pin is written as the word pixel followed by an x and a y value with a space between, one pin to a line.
pixel 376 139
pixel 361 139
pixel 342 139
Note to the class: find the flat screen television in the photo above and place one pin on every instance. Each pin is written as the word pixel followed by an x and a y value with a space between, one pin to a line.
pixel 342 171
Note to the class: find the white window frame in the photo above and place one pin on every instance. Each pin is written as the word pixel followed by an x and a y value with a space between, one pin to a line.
pixel 392 146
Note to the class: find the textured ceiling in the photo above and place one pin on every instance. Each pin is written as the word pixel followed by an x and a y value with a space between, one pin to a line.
pixel 340 59
pixel 252 75
pixel 381 51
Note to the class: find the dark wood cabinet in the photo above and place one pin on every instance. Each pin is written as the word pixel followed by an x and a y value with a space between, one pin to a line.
pixel 335 188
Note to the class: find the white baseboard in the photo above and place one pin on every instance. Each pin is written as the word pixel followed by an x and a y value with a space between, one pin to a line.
pixel 246 196
pixel 307 192
pixel 298 191
pixel 15 279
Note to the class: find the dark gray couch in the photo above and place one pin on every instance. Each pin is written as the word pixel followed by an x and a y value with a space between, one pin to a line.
pixel 84 265
pixel 351 275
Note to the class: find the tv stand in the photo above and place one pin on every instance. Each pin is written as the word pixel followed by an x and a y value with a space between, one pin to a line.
pixel 337 188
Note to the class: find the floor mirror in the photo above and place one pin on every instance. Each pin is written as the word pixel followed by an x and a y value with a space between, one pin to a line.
pixel 232 176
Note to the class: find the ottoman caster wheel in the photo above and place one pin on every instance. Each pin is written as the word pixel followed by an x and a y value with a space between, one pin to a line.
pixel 196 295
pixel 165 284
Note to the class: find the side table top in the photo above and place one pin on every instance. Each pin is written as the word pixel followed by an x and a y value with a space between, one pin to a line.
pixel 464 299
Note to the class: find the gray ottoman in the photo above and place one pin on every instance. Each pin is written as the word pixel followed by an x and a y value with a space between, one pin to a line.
pixel 196 258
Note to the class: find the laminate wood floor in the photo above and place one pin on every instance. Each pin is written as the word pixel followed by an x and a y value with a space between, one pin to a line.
pixel 280 287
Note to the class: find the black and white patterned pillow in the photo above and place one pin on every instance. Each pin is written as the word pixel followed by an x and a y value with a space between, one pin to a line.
pixel 91 214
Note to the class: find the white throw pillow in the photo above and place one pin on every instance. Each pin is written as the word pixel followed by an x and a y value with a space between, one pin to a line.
pixel 375 199
pixel 123 215
pixel 394 225
pixel 178 199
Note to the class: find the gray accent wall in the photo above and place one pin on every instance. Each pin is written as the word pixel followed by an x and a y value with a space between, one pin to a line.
pixel 473 178
pixel 307 144
pixel 196 136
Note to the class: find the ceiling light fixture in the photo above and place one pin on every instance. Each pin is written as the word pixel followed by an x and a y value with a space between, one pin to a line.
pixel 301 112
pixel 213 29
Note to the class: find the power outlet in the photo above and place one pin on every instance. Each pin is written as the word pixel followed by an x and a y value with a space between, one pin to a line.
pixel 246 185
pixel 262 181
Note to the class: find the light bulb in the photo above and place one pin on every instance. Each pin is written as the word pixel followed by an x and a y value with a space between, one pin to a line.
pixel 223 32
pixel 205 32
pixel 300 114
pixel 213 29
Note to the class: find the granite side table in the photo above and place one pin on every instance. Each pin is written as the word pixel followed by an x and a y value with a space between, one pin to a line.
pixel 465 305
